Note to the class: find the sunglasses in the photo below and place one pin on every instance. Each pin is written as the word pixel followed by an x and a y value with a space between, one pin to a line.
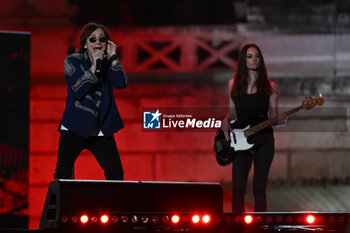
pixel 93 39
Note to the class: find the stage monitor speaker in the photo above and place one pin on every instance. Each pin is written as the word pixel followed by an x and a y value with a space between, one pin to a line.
pixel 67 200
pixel 84 196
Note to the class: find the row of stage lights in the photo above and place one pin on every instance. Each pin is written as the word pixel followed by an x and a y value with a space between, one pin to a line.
pixel 205 219
pixel 249 219
pixel 309 219
pixel 104 219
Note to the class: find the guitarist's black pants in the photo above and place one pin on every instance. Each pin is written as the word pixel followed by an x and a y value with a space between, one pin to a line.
pixel 262 155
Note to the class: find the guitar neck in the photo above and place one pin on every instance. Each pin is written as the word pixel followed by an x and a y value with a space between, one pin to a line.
pixel 269 122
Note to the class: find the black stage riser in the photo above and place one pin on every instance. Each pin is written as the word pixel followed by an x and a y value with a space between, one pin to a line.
pixel 73 198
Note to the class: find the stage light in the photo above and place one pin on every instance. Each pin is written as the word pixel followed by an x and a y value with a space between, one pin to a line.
pixel 134 219
pixel 186 219
pixel 144 219
pixel 195 218
pixel 279 219
pixel 175 218
pixel 124 219
pixel 94 219
pixel 114 219
pixel 74 219
pixel 300 219
pixel 64 219
pixel 320 219
pixel 239 219
pixel 228 219
pixel 248 219
pixel 331 219
pixel 155 219
pixel 206 218
pixel 258 219
pixel 269 219
pixel 84 219
pixel 165 218
pixel 218 219
pixel 104 218
pixel 310 219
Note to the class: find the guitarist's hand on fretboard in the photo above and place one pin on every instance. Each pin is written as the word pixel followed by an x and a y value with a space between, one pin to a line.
pixel 281 120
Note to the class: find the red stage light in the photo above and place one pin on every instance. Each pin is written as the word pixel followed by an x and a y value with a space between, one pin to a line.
pixel 228 219
pixel 321 219
pixel 74 219
pixel 165 218
pixel 155 219
pixel 331 219
pixel 206 218
pixel 84 218
pixel 94 219
pixel 300 219
pixel 175 218
pixel 310 219
pixel 269 219
pixel 218 219
pixel 134 219
pixel 186 219
pixel 64 219
pixel 239 219
pixel 248 219
pixel 341 219
pixel 144 219
pixel 258 219
pixel 290 219
pixel 104 218
pixel 124 219
pixel 195 218
pixel 279 219
pixel 114 219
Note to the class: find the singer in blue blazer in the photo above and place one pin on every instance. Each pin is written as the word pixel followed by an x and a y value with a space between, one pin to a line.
pixel 90 100
pixel 91 116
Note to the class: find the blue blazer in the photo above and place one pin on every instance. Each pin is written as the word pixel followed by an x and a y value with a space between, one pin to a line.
pixel 90 101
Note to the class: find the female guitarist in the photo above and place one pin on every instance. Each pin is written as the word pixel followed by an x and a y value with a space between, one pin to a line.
pixel 253 99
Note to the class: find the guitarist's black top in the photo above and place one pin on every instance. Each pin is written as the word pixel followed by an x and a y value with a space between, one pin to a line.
pixel 252 109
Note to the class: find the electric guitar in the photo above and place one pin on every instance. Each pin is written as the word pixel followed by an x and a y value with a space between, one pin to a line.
pixel 225 150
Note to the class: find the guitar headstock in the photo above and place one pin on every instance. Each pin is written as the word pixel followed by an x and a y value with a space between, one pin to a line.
pixel 312 101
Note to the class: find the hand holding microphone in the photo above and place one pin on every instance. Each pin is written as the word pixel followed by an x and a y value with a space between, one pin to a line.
pixel 98 57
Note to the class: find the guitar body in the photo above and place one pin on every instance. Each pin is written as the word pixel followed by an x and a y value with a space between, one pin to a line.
pixel 224 153
pixel 239 142
pixel 226 150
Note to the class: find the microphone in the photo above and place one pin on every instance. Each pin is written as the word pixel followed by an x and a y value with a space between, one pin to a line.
pixel 98 65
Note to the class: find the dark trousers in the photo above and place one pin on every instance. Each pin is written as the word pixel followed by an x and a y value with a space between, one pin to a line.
pixel 103 148
pixel 262 155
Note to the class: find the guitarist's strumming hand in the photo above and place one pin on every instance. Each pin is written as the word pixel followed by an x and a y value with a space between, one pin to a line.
pixel 226 128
